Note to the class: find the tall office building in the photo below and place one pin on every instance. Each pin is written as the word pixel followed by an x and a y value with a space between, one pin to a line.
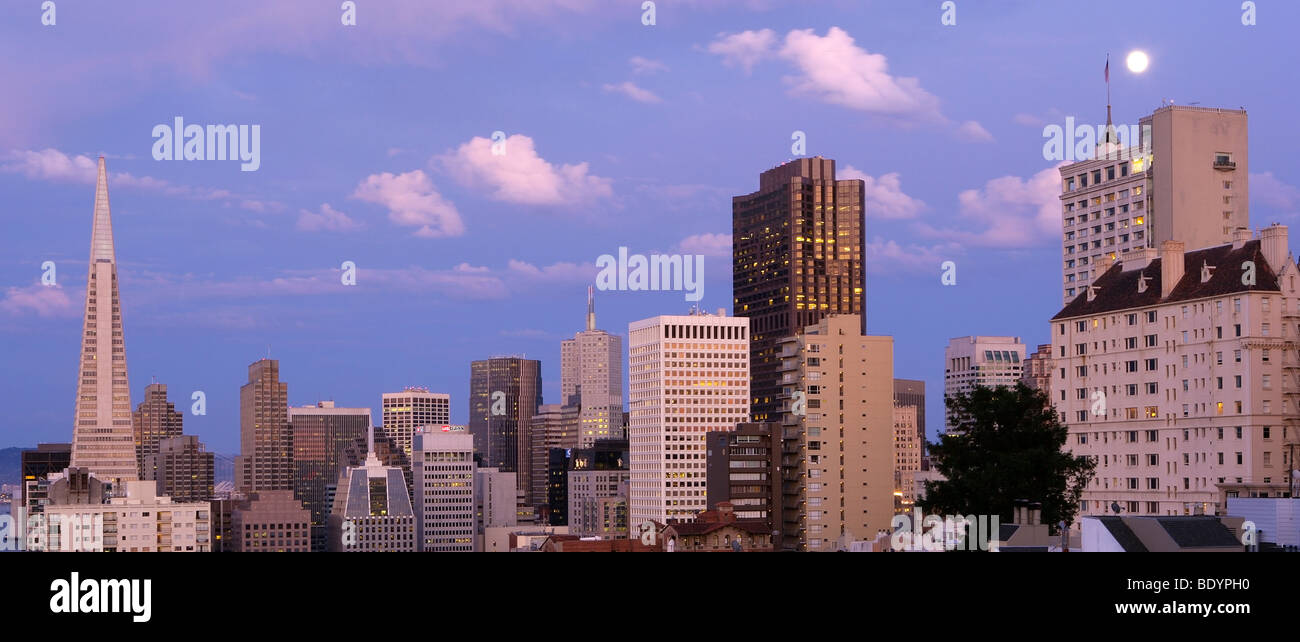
pixel 265 459
pixel 102 440
pixel 554 426
pixel 181 469
pixel 689 376
pixel 154 420
pixel 980 361
pixel 443 466
pixel 591 378
pixel 409 409
pixel 838 468
pixel 372 510
pixel 1177 373
pixel 321 434
pixel 796 257
pixel 911 392
pixel 504 394
pixel 1187 182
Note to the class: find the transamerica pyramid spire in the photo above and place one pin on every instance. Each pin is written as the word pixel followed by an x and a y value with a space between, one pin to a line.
pixel 102 437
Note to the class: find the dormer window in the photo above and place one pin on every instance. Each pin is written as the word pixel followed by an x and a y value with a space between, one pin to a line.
pixel 1092 292
pixel 1207 271
pixel 1142 282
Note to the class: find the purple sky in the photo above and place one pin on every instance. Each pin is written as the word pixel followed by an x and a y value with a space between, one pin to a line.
pixel 375 149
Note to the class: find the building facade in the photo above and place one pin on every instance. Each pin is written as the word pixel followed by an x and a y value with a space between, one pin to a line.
pixel 39 463
pixel 182 469
pixel 907 457
pixel 981 361
pixel 271 521
pixel 372 510
pixel 154 420
pixel 321 435
pixel 744 470
pixel 554 426
pixel 1177 373
pixel 409 409
pixel 1189 181
pixel 1036 372
pixel 265 459
pixel 796 256
pixel 911 392
pixel 591 378
pixel 444 471
pixel 504 395
pixel 137 521
pixel 689 375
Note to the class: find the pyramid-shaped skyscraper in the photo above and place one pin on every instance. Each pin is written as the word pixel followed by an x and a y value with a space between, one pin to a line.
pixel 102 439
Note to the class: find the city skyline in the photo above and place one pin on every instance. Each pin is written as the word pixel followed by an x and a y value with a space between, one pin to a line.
pixel 218 263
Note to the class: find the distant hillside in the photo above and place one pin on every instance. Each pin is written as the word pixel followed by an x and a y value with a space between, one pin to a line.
pixel 11 464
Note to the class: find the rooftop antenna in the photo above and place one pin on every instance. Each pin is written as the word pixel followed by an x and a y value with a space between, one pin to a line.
pixel 591 309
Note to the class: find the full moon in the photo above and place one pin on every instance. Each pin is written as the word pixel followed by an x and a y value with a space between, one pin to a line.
pixel 1137 62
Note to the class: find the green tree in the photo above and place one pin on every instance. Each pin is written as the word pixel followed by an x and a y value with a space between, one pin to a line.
pixel 1005 445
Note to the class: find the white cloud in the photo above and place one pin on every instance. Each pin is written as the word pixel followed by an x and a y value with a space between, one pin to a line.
pixel 412 201
pixel 327 218
pixel 744 49
pixel 1267 189
pixel 631 90
pixel 53 165
pixel 1014 212
pixel 885 197
pixel 706 244
pixel 837 71
pixel 1028 120
pixel 521 176
pixel 41 300
pixel 556 272
pixel 889 257
pixel 973 132
pixel 646 66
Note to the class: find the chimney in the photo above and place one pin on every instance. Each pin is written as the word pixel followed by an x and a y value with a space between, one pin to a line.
pixel 1239 237
pixel 1035 514
pixel 1101 265
pixel 1171 266
pixel 1138 259
pixel 1273 245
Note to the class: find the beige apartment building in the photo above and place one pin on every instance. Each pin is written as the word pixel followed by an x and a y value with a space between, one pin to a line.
pixel 837 413
pixel 907 457
pixel 1186 182
pixel 1177 372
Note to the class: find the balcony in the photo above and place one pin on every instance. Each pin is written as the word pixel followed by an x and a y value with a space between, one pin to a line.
pixel 1223 164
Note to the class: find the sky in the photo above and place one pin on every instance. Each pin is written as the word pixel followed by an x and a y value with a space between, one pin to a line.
pixel 376 148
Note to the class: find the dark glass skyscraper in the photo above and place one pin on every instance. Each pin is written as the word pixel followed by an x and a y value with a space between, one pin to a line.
pixel 796 257
pixel 504 395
